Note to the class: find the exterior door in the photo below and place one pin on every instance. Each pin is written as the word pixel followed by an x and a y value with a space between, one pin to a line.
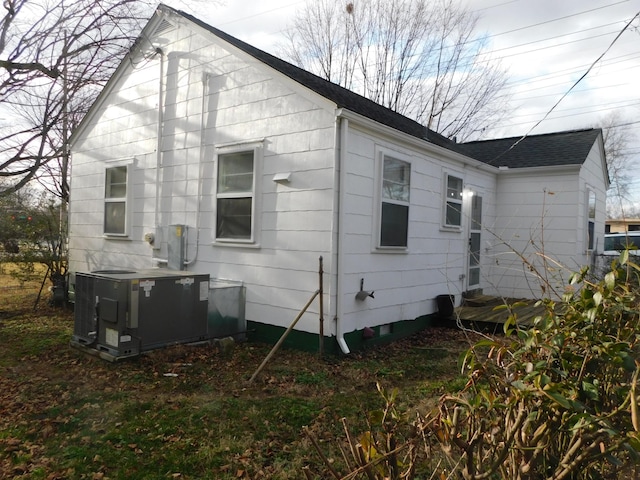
pixel 475 232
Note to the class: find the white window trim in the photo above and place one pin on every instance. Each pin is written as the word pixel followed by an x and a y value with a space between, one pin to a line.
pixel 130 164
pixel 445 200
pixel 380 154
pixel 257 146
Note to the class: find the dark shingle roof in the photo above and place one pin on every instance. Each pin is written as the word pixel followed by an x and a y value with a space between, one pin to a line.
pixel 552 149
pixel 342 97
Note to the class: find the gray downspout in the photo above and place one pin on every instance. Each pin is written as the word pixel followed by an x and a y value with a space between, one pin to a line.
pixel 159 133
pixel 201 159
pixel 342 157
pixel 159 152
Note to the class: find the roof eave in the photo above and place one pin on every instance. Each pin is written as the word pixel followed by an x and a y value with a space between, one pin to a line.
pixel 537 170
pixel 422 144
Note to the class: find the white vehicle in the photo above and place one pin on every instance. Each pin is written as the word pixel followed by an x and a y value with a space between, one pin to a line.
pixel 614 243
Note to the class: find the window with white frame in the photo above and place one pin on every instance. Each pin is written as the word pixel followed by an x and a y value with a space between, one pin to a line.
pixel 235 196
pixel 453 202
pixel 394 215
pixel 591 219
pixel 115 200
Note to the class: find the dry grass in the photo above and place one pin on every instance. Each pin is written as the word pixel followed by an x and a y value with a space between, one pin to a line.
pixel 21 275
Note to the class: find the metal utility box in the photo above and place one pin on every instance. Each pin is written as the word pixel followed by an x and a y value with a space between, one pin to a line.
pixel 226 309
pixel 122 313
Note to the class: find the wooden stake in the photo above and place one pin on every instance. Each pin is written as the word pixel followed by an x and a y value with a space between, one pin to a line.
pixel 282 338
pixel 320 292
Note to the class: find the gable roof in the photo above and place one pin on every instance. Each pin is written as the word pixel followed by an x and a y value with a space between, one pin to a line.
pixel 546 150
pixel 341 96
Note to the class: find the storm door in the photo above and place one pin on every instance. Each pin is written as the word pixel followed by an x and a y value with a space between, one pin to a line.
pixel 475 229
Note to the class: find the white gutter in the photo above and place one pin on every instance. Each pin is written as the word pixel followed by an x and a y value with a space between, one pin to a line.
pixel 342 160
pixel 537 170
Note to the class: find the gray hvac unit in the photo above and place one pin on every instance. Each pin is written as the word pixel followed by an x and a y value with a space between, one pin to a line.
pixel 123 313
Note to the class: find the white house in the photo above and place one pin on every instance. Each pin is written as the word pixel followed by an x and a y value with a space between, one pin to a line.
pixel 550 210
pixel 261 168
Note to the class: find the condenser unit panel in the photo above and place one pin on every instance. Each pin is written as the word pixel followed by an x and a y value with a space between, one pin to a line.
pixel 113 305
pixel 109 310
pixel 85 315
pixel 171 310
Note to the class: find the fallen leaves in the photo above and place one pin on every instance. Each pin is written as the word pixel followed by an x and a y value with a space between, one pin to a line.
pixel 55 400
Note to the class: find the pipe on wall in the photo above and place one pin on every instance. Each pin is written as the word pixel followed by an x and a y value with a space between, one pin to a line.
pixel 201 159
pixel 159 142
pixel 342 175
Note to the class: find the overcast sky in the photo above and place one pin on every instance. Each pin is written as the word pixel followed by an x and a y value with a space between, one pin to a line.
pixel 546 46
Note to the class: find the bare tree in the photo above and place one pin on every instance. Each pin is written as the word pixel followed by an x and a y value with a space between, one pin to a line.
pixel 618 136
pixel 55 55
pixel 416 57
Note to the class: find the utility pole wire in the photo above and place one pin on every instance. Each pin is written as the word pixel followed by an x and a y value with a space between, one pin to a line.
pixel 568 91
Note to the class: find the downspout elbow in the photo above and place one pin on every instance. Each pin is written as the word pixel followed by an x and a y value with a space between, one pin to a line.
pixel 342 343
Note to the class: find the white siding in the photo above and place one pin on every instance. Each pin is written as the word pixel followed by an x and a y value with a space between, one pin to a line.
pixel 535 218
pixel 245 101
pixel 405 282
pixel 592 176
pixel 540 231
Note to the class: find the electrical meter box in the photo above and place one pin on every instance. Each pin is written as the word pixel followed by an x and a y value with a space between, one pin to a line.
pixel 120 313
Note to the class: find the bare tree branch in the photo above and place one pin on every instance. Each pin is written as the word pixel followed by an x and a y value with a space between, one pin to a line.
pixel 29 66
pixel 416 57
pixel 617 137
pixel 54 58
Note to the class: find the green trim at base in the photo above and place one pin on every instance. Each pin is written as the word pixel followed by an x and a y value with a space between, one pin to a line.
pixel 309 342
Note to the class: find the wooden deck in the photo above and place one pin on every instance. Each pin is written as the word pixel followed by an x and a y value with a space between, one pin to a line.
pixel 481 313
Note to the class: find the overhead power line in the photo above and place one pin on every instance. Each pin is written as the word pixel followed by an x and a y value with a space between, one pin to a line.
pixel 556 19
pixel 570 88
pixel 592 108
pixel 568 71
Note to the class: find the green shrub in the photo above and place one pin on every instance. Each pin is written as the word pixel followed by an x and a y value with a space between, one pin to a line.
pixel 558 400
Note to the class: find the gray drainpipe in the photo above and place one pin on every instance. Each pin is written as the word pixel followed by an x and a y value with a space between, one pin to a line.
pixel 342 157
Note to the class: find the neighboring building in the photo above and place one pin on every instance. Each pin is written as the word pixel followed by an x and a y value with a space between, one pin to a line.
pixel 261 168
pixel 620 225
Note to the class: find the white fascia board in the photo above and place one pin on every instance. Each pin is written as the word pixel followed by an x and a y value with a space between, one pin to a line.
pixel 421 144
pixel 603 156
